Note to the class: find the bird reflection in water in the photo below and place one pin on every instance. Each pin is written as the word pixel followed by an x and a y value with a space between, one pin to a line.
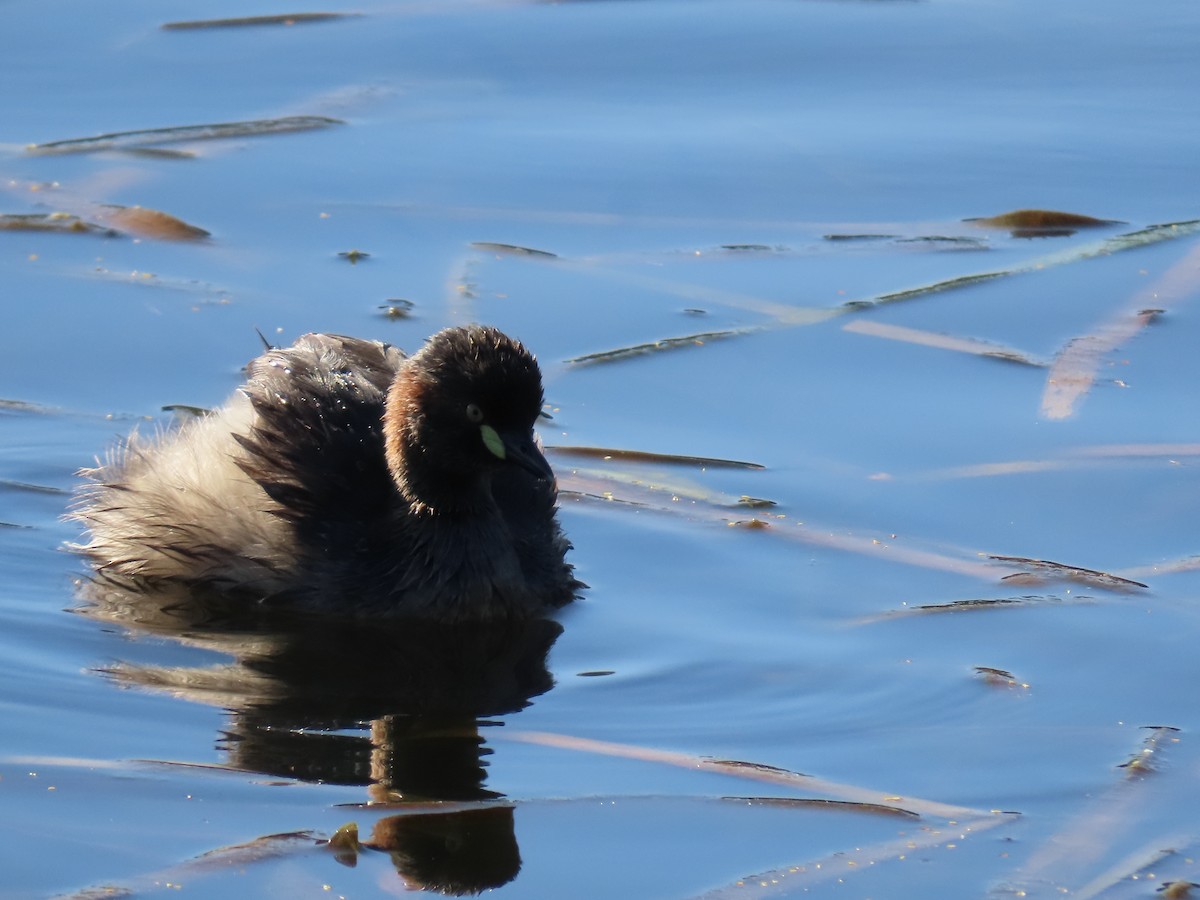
pixel 393 705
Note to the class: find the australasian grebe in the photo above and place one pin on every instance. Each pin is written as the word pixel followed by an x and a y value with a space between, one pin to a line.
pixel 346 478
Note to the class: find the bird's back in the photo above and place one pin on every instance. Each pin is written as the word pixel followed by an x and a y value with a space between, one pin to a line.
pixel 233 500
pixel 316 443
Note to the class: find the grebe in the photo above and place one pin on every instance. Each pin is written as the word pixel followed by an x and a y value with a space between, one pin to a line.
pixel 347 478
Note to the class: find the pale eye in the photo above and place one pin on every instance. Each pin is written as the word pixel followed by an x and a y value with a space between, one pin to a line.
pixel 474 413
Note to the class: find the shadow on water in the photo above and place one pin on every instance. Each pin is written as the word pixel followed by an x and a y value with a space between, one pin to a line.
pixel 397 707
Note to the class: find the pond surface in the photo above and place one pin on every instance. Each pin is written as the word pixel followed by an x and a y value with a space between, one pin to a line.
pixel 841 694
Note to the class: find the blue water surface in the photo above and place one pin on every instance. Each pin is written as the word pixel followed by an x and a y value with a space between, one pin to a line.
pixel 685 161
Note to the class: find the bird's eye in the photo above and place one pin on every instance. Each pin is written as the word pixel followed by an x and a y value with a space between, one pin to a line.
pixel 474 413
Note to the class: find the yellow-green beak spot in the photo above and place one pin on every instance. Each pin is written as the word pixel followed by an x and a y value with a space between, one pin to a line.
pixel 491 440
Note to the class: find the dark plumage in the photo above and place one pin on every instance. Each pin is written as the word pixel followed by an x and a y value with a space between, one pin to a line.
pixel 347 478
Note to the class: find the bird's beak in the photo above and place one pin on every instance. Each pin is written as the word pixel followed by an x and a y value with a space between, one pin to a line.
pixel 524 451
pixel 519 449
